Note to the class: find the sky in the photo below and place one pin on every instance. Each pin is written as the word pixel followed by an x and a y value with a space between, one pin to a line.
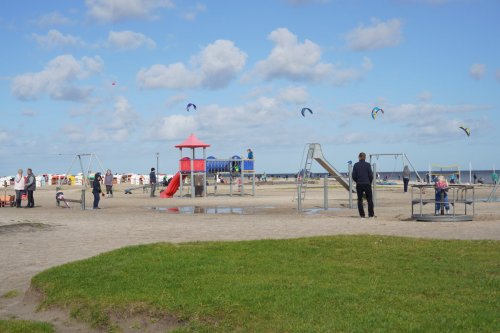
pixel 114 77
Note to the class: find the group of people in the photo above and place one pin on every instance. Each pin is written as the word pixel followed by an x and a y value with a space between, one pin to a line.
pixel 25 185
pixel 96 187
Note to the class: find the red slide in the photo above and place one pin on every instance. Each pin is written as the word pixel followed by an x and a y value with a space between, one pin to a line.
pixel 172 187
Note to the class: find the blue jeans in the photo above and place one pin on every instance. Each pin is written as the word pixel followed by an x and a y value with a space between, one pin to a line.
pixel 444 201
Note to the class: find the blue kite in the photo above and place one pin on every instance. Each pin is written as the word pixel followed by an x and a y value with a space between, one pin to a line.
pixel 190 105
pixel 304 111
pixel 375 111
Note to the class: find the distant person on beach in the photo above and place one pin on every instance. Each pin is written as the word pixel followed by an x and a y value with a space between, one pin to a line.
pixel 441 187
pixel 406 178
pixel 108 182
pixel 30 187
pixel 19 187
pixel 249 154
pixel 152 182
pixel 96 190
pixel 475 178
pixel 362 174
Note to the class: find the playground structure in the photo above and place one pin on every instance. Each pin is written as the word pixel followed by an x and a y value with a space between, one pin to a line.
pixel 449 172
pixel 198 171
pixel 459 198
pixel 85 181
pixel 313 152
pixel 405 160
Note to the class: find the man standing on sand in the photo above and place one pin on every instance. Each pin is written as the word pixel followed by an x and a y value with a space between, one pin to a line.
pixel 30 187
pixel 362 174
pixel 152 181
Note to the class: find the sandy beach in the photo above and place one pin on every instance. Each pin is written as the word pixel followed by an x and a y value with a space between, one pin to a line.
pixel 32 240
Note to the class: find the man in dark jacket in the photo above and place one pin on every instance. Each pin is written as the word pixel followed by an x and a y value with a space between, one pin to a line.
pixel 362 174
pixel 30 187
pixel 152 181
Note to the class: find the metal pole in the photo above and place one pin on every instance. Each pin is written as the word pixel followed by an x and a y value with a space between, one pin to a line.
pixel 83 199
pixel 192 174
pixel 325 189
pixel 84 173
pixel 299 198
pixel 242 169
pixel 374 184
pixel 349 165
pixel 157 168
pixel 253 183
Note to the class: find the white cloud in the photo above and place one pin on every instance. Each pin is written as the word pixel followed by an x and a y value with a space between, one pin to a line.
pixel 55 38
pixel 477 71
pixel 214 122
pixel 214 67
pixel 128 40
pixel 378 35
pixel 74 133
pixel 119 124
pixel 296 95
pixel 219 63
pixel 296 61
pixel 193 12
pixel 117 10
pixel 58 79
pixel 52 19
pixel 420 122
pixel 173 76
pixel 29 113
pixel 175 100
pixel 425 96
pixel 4 135
pixel 172 127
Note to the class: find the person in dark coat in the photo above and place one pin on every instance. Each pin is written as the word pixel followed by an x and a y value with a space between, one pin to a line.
pixel 30 188
pixel 362 174
pixel 96 189
pixel 152 182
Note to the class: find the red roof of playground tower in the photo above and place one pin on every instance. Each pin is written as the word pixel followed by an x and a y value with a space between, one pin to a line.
pixel 192 142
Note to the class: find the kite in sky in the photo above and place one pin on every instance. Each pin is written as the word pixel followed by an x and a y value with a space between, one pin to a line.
pixel 190 105
pixel 304 111
pixel 466 130
pixel 376 110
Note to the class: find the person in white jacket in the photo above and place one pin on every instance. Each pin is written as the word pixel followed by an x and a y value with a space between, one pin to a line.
pixel 19 187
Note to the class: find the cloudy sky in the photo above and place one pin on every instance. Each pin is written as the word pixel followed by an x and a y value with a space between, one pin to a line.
pixel 113 77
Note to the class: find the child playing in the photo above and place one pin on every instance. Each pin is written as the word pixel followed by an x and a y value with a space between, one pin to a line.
pixel 60 197
pixel 441 187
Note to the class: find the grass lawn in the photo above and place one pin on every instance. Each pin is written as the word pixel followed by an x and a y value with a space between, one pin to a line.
pixel 327 284
pixel 24 326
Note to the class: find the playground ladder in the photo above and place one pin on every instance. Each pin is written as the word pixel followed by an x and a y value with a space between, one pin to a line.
pixel 493 193
pixel 307 170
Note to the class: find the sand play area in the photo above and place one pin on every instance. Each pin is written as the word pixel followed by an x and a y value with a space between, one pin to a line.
pixel 32 240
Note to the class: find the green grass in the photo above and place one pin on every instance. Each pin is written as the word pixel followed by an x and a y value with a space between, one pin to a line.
pixel 329 284
pixel 24 326
pixel 10 294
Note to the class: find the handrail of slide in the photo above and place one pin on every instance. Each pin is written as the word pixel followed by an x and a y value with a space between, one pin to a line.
pixel 320 158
